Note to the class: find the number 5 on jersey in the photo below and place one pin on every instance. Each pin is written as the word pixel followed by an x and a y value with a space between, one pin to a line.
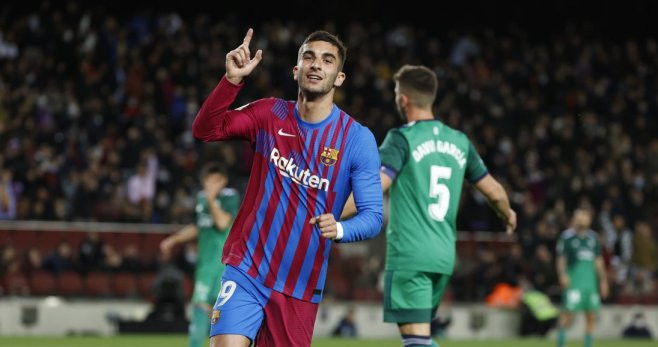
pixel 440 191
pixel 225 293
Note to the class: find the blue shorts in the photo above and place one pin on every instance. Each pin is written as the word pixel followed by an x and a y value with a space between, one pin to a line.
pixel 247 307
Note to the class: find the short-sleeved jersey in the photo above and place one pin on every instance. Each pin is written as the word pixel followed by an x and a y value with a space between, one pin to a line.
pixel 428 162
pixel 210 240
pixel 580 253
pixel 300 170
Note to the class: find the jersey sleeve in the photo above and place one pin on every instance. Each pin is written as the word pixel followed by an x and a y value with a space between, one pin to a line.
pixel 367 190
pixel 597 246
pixel 475 168
pixel 393 153
pixel 215 122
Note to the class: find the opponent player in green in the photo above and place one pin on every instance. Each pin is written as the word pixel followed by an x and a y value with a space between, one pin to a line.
pixel 216 208
pixel 580 269
pixel 424 164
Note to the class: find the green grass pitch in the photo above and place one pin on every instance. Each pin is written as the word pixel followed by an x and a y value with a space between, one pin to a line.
pixel 181 341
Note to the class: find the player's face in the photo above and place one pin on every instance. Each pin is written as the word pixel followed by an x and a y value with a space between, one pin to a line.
pixel 582 219
pixel 317 68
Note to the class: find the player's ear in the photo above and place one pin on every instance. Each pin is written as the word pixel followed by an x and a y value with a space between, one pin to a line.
pixel 294 72
pixel 340 78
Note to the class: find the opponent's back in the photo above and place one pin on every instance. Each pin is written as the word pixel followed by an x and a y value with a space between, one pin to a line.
pixel 425 194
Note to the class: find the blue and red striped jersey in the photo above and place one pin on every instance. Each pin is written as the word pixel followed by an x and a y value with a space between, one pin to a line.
pixel 300 170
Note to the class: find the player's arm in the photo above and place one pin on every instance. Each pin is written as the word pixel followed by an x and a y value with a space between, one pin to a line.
pixel 498 200
pixel 366 189
pixel 189 232
pixel 221 218
pixel 215 121
pixel 600 271
pixel 563 277
pixel 350 206
pixel 393 154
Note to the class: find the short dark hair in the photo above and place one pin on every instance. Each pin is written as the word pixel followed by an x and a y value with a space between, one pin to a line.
pixel 326 36
pixel 213 168
pixel 419 83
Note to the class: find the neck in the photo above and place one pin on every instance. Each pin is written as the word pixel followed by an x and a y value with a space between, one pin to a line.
pixel 581 231
pixel 315 110
pixel 414 113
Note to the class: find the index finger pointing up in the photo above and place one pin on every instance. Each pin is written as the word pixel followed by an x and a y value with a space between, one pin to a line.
pixel 247 38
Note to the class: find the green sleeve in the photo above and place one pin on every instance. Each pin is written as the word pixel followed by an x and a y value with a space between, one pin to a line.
pixel 393 152
pixel 475 168
pixel 597 247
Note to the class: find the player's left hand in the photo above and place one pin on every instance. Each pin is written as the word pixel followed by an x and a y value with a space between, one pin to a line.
pixel 510 224
pixel 327 225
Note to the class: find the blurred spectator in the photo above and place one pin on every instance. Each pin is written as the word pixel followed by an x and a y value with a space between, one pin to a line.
pixel 141 186
pixel 346 326
pixel 619 244
pixel 543 275
pixel 60 260
pixel 132 261
pixel 33 261
pixel 645 259
pixel 638 328
pixel 7 195
pixel 112 259
pixel 90 252
pixel 9 260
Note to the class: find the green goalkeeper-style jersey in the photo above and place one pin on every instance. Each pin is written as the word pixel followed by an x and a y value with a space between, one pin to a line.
pixel 210 240
pixel 428 162
pixel 580 252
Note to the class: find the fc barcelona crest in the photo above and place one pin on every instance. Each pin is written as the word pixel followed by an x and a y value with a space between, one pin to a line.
pixel 329 156
pixel 215 317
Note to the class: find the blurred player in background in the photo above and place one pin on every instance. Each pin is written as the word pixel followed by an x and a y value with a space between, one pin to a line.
pixel 216 207
pixel 582 274
pixel 424 164
pixel 309 156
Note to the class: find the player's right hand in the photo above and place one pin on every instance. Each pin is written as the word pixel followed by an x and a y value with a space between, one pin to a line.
pixel 564 281
pixel 239 62
pixel 511 222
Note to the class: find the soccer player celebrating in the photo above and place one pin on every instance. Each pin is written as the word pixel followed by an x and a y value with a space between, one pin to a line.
pixel 215 209
pixel 309 156
pixel 579 266
pixel 424 164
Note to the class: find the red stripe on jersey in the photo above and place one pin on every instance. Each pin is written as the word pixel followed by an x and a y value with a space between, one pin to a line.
pixel 286 228
pixel 236 243
pixel 311 199
pixel 264 231
pixel 319 256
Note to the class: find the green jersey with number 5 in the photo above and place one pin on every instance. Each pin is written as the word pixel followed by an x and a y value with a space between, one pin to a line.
pixel 428 162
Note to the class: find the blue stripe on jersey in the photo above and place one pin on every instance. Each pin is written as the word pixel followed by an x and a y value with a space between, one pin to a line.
pixel 320 205
pixel 280 109
pixel 264 143
pixel 307 266
pixel 260 216
pixel 298 221
pixel 323 272
pixel 275 228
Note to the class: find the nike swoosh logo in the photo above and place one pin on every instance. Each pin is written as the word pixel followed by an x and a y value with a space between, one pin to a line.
pixel 285 134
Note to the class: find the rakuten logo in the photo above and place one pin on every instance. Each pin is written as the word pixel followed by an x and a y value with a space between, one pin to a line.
pixel 288 168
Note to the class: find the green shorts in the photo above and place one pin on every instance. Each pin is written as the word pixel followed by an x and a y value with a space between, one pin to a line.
pixel 411 296
pixel 206 285
pixel 575 299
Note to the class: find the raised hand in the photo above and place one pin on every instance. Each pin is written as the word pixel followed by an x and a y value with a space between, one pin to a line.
pixel 239 63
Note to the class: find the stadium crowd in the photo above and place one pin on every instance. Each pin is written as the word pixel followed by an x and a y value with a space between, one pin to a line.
pixel 96 108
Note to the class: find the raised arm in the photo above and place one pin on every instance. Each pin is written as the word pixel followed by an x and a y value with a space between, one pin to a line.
pixel 215 121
